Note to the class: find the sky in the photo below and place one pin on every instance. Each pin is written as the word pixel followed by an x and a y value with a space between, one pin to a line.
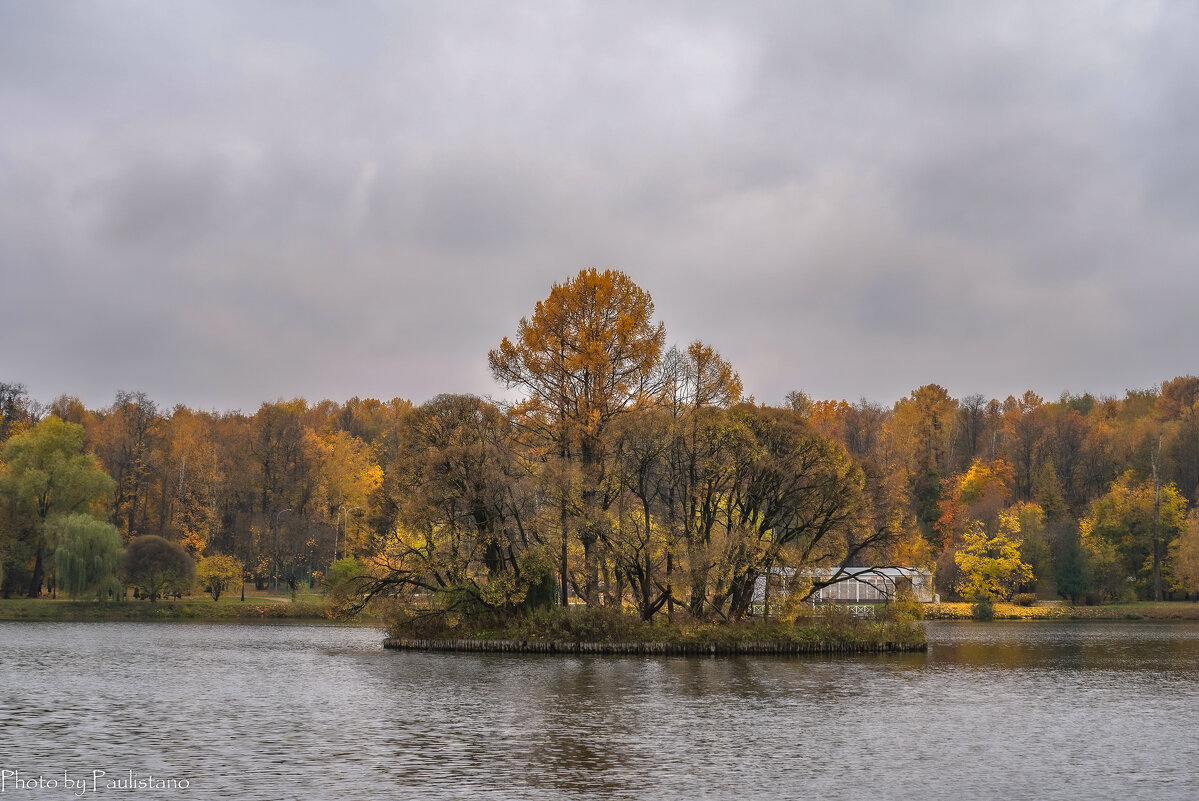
pixel 225 203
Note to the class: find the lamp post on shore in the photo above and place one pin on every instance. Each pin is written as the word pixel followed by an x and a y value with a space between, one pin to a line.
pixel 343 512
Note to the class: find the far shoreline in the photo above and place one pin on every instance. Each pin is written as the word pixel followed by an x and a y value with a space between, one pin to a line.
pixel 1062 612
pixel 313 609
pixel 193 610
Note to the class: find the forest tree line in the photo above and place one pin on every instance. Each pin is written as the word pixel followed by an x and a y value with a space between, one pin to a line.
pixel 627 473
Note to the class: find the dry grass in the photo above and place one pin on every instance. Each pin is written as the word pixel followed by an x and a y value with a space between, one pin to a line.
pixel 1166 610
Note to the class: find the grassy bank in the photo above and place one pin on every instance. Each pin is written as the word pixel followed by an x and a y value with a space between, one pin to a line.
pixel 603 626
pixel 229 608
pixel 1144 610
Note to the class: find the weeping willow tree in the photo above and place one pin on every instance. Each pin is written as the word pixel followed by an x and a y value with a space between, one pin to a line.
pixel 87 556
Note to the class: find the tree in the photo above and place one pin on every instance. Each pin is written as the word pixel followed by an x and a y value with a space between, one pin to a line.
pixel 155 566
pixel 348 476
pixel 87 555
pixel 17 413
pixel 1024 422
pixel 1184 557
pixel 699 377
pixel 918 433
pixel 465 508
pixel 1134 524
pixel 186 471
pixel 798 502
pixel 218 573
pixel 47 473
pixel 587 355
pixel 1073 572
pixel 991 565
pixel 125 438
pixel 639 542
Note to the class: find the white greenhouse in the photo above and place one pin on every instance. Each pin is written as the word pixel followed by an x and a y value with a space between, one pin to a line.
pixel 857 585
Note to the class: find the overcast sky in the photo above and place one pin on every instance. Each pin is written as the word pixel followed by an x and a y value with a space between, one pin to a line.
pixel 223 203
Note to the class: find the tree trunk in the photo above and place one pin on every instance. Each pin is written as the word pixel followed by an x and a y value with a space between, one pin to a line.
pixel 562 509
pixel 1157 505
pixel 35 581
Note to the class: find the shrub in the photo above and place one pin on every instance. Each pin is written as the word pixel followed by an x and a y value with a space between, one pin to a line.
pixel 1024 599
pixel 905 608
pixel 155 566
pixel 983 610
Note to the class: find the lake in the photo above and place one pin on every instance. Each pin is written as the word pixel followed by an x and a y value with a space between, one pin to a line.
pixel 997 711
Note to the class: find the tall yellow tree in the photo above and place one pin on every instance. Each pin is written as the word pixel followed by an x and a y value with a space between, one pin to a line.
pixel 918 439
pixel 587 355
pixel 189 475
pixel 991 564
pixel 348 475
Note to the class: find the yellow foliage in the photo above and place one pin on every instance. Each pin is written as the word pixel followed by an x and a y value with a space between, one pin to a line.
pixel 985 481
pixel 991 565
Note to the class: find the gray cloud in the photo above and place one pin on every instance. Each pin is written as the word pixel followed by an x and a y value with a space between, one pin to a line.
pixel 225 203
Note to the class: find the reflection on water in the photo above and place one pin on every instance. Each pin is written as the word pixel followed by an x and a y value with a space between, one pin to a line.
pixel 1035 710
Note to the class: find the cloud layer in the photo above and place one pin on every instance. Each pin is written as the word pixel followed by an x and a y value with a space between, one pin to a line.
pixel 225 203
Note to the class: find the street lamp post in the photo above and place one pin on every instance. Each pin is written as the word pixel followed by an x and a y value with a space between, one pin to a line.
pixel 344 514
pixel 276 571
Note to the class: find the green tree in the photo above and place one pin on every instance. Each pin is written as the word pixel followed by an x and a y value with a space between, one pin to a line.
pixel 87 555
pixel 1073 572
pixel 46 474
pixel 1184 557
pixel 1123 519
pixel 155 566
pixel 217 573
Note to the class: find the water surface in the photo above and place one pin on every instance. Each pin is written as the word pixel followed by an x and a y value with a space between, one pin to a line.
pixel 1006 710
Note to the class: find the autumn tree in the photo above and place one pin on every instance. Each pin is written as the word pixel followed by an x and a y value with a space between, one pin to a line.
pixel 284 472
pixel 698 377
pixel 798 502
pixel 585 356
pixel 1130 529
pixel 698 385
pixel 348 475
pixel 919 432
pixel 217 573
pixel 125 437
pixel 971 426
pixel 463 533
pixel 640 540
pixel 991 564
pixel 1184 557
pixel 188 479
pixel 285 485
pixel 1024 422
pixel 863 427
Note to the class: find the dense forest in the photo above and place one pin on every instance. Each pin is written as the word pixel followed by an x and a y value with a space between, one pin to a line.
pixel 628 473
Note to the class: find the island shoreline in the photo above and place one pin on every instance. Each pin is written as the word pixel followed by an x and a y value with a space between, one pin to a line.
pixel 698 648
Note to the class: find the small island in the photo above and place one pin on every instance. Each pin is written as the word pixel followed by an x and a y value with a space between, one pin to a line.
pixel 583 630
